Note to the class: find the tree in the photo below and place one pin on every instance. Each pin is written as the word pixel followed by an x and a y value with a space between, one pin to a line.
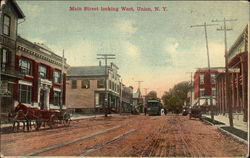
pixel 174 99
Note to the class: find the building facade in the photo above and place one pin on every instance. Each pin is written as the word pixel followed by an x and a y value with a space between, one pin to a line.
pixel 205 86
pixel 127 99
pixel 10 13
pixel 86 88
pixel 44 82
pixel 238 77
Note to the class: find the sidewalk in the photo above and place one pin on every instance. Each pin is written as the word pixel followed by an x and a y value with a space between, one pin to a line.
pixel 239 131
pixel 238 123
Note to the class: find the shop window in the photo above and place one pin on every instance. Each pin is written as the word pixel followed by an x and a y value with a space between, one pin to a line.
pixel 42 72
pixel 25 94
pixel 85 84
pixel 73 84
pixel 57 98
pixel 25 66
pixel 6 25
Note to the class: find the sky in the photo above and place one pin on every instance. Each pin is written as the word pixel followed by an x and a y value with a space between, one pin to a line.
pixel 156 47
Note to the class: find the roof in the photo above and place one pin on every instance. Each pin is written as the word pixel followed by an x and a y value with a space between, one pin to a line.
pixel 85 71
pixel 19 12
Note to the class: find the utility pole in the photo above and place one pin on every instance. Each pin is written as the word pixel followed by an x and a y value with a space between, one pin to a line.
pixel 228 92
pixel 146 91
pixel 191 82
pixel 208 63
pixel 61 104
pixel 106 57
pixel 139 84
pixel 120 109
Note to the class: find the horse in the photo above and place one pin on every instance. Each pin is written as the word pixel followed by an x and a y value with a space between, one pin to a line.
pixel 26 114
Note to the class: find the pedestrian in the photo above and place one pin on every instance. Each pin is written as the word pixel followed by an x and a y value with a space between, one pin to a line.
pixel 145 110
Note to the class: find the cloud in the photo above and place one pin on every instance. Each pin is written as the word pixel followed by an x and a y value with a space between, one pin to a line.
pixel 125 26
pixel 129 48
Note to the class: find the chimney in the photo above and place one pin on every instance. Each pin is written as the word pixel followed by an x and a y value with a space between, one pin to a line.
pixel 100 63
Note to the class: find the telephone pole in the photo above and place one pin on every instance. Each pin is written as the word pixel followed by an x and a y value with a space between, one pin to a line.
pixel 191 82
pixel 228 92
pixel 208 63
pixel 61 95
pixel 106 57
pixel 139 84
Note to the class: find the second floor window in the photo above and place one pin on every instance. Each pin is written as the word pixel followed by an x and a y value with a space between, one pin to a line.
pixel 57 76
pixel 202 92
pixel 42 71
pixel 213 91
pixel 100 83
pixel 213 78
pixel 73 84
pixel 6 25
pixel 201 78
pixel 85 84
pixel 25 66
pixel 57 98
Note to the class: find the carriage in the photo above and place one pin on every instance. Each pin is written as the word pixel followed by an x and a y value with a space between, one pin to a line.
pixel 29 117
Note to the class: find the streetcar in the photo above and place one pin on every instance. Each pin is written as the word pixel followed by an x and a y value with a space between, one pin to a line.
pixel 154 107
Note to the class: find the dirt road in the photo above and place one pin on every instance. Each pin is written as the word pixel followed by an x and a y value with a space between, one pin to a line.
pixel 125 135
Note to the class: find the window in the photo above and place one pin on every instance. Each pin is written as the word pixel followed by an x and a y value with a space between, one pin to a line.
pixel 202 92
pixel 109 84
pixel 85 84
pixel 201 78
pixel 213 78
pixel 213 91
pixel 73 84
pixel 57 98
pixel 57 76
pixel 25 66
pixel 4 58
pixel 25 94
pixel 101 83
pixel 42 71
pixel 6 25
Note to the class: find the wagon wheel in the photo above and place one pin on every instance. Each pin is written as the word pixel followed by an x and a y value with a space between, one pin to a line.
pixel 52 121
pixel 66 119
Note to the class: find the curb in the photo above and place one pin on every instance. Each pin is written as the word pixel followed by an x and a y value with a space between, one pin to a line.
pixel 227 133
pixel 234 136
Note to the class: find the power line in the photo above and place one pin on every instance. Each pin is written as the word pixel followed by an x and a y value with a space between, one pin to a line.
pixel 227 82
pixel 208 62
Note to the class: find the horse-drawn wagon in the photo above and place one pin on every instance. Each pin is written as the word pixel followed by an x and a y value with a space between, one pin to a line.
pixel 35 117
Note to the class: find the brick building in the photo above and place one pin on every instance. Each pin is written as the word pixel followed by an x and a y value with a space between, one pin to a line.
pixel 44 82
pixel 237 60
pixel 86 88
pixel 10 13
pixel 30 72
pixel 205 86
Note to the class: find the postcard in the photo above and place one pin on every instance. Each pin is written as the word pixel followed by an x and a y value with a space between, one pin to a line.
pixel 124 78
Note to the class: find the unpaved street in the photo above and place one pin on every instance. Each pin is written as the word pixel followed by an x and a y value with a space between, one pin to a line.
pixel 125 135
